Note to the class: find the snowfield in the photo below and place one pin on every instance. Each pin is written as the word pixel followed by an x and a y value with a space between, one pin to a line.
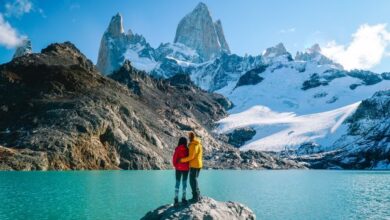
pixel 278 131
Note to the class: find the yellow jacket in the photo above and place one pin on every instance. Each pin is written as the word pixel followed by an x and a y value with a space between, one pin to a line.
pixel 195 154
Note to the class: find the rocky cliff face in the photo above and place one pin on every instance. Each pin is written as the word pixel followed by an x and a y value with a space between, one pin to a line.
pixel 206 208
pixel 25 48
pixel 221 36
pixel 112 46
pixel 198 31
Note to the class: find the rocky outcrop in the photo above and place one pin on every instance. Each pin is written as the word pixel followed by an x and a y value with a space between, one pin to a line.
pixel 206 208
pixel 252 160
pixel 59 113
pixel 252 76
pixel 23 49
pixel 198 31
pixel 238 137
pixel 365 77
pixel 314 81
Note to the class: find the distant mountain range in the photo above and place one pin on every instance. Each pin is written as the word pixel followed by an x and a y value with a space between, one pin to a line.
pixel 282 103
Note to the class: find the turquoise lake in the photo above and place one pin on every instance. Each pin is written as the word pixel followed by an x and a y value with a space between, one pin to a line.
pixel 286 194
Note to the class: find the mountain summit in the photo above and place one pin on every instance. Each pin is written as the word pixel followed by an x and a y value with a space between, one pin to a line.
pixel 116 25
pixel 198 31
pixel 24 48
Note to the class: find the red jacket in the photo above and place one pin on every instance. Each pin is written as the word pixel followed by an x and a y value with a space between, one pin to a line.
pixel 180 152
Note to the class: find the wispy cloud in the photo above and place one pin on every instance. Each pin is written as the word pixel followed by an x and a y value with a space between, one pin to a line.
pixel 285 31
pixel 74 6
pixel 367 48
pixel 8 35
pixel 18 8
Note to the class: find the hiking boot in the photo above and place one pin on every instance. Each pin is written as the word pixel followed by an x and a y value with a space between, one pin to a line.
pixel 184 201
pixel 176 202
pixel 194 199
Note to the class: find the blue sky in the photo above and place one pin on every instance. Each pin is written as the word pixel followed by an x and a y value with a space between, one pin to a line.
pixel 250 26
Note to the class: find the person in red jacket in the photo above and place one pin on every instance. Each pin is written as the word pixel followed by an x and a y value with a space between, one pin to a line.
pixel 182 169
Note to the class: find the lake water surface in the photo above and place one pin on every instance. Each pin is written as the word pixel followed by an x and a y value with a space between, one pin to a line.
pixel 287 194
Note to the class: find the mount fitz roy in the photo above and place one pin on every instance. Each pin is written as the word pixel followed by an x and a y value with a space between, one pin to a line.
pixel 297 106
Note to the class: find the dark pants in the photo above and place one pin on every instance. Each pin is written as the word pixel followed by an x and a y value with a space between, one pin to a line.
pixel 194 174
pixel 183 176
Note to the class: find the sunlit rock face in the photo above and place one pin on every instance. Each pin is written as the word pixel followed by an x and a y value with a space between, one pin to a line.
pixel 116 46
pixel 198 31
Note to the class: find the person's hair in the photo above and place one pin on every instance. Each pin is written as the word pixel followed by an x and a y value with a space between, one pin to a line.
pixel 182 141
pixel 191 135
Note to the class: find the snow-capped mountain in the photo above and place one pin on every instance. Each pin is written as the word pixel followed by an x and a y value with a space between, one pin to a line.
pixel 199 49
pixel 281 103
pixel 116 46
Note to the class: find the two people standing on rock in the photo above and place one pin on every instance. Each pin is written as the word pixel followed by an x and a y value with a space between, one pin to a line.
pixel 188 160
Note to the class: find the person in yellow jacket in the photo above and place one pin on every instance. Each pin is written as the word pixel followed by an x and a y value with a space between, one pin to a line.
pixel 194 158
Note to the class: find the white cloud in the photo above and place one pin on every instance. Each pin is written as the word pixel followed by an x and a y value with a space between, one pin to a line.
pixel 367 48
pixel 18 8
pixel 285 31
pixel 8 35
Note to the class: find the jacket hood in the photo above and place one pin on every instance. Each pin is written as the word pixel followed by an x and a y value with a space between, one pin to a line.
pixel 196 140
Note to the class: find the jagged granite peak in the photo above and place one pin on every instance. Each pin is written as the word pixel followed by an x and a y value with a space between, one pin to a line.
pixel 115 27
pixel 314 54
pixel 112 46
pixel 221 36
pixel 275 51
pixel 116 46
pixel 314 49
pixel 276 54
pixel 24 48
pixel 129 32
pixel 198 31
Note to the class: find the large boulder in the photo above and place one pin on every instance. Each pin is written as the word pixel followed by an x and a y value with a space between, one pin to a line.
pixel 206 208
